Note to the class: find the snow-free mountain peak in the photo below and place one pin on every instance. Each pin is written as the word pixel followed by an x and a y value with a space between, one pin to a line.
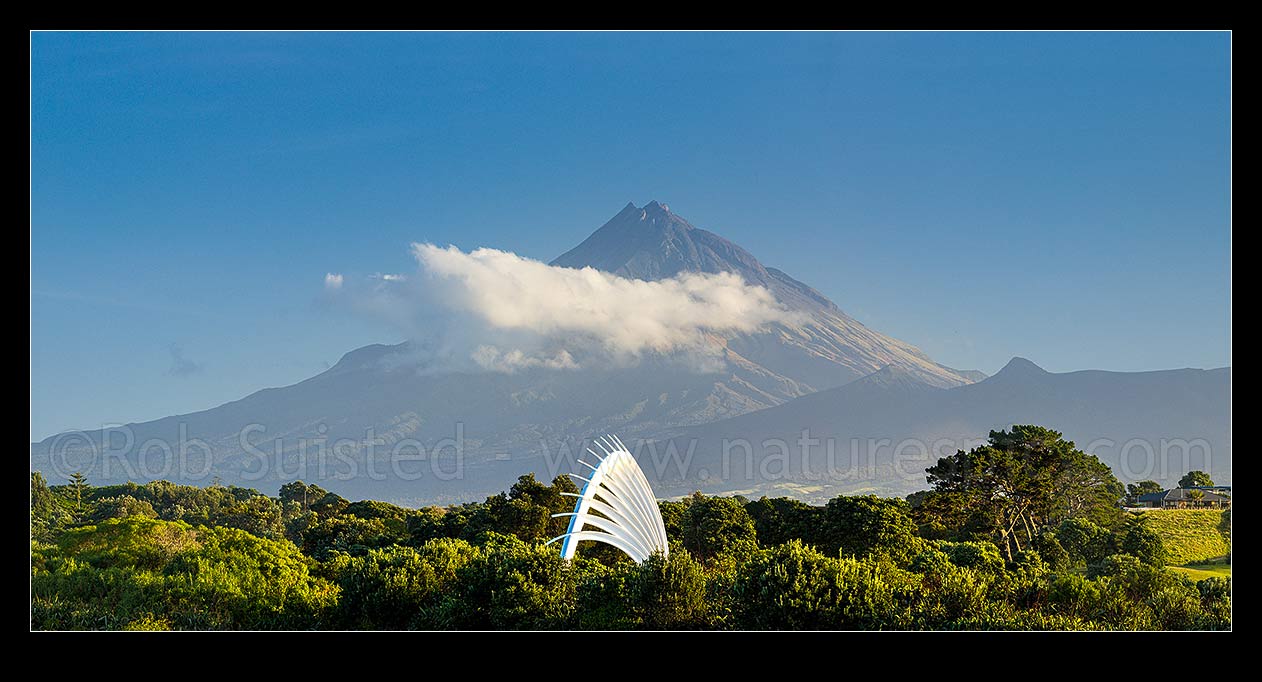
pixel 653 243
pixel 828 348
pixel 1019 367
pixel 656 208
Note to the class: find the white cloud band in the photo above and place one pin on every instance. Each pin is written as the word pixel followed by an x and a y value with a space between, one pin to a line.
pixel 505 312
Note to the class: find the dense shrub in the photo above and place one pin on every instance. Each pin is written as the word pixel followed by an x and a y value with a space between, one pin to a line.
pixel 716 526
pixel 397 587
pixel 1143 543
pixel 122 558
pixel 1084 541
pixel 137 571
pixel 668 593
pixel 781 519
pixel 866 525
pixel 509 585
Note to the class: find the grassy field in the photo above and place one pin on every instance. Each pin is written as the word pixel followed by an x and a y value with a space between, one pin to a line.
pixel 1190 535
pixel 1203 571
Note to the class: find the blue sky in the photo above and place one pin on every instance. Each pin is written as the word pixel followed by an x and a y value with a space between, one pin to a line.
pixel 1061 196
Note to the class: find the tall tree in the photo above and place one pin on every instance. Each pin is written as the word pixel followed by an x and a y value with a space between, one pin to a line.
pixel 781 519
pixel 1135 490
pixel 78 488
pixel 46 513
pixel 1085 542
pixel 301 493
pixel 1019 483
pixel 530 491
pixel 861 525
pixel 41 497
pixel 713 526
pixel 1193 478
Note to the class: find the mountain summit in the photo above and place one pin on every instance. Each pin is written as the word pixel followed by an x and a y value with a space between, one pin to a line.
pixel 828 350
pixel 1019 368
pixel 653 243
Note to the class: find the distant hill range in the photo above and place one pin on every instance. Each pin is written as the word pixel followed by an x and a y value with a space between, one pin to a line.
pixel 828 373
pixel 884 429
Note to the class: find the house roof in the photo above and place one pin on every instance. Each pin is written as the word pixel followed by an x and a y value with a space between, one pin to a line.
pixel 1178 494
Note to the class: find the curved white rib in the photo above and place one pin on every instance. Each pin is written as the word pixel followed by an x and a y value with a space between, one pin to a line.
pixel 617 490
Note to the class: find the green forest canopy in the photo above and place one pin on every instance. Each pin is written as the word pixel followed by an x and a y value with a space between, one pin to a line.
pixel 1025 532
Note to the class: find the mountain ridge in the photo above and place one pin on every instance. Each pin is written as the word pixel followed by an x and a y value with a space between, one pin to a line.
pixel 1166 422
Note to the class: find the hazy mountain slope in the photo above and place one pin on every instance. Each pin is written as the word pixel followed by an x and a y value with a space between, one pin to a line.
pixel 376 393
pixel 1108 413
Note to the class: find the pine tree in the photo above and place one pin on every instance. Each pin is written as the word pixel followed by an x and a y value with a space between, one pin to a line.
pixel 78 486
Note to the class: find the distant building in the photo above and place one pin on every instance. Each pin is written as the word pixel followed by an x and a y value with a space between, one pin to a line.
pixel 1201 497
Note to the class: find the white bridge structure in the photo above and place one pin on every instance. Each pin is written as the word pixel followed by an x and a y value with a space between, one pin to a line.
pixel 617 503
